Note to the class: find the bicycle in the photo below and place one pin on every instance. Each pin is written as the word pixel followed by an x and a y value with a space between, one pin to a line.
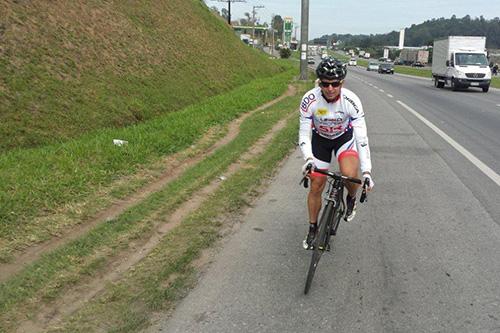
pixel 331 215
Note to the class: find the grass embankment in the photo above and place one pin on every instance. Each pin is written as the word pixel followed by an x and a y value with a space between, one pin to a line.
pixel 73 67
pixel 38 183
pixel 163 277
pixel 159 279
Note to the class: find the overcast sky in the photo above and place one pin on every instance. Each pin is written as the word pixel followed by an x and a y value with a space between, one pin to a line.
pixel 362 16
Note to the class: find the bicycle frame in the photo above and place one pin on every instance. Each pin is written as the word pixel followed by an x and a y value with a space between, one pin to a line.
pixel 330 218
pixel 335 197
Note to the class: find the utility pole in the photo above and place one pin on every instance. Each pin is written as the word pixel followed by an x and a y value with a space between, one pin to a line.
pixel 253 22
pixel 229 8
pixel 304 27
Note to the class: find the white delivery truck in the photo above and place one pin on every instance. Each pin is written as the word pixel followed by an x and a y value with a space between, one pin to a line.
pixel 461 62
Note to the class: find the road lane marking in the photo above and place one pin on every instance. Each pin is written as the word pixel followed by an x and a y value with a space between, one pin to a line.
pixel 381 90
pixel 375 87
pixel 389 95
pixel 480 165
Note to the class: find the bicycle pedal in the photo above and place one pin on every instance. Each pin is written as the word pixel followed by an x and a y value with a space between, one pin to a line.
pixel 306 246
pixel 322 248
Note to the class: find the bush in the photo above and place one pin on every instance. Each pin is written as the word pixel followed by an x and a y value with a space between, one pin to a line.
pixel 285 53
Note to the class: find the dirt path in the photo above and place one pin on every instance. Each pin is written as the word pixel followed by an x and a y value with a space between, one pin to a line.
pixel 51 315
pixel 174 167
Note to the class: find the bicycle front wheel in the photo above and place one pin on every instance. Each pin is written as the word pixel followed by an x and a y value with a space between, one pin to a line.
pixel 319 243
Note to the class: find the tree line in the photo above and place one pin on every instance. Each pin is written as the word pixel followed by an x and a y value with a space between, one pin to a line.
pixel 425 33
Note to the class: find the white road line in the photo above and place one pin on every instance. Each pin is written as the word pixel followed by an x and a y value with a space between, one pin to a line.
pixel 381 90
pixel 375 87
pixel 389 95
pixel 480 165
pixel 498 104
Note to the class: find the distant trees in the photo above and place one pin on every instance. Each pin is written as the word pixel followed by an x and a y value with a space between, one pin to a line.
pixel 277 24
pixel 425 33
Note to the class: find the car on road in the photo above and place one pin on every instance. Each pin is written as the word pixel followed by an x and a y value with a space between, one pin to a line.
pixel 417 64
pixel 352 62
pixel 310 60
pixel 372 66
pixel 386 68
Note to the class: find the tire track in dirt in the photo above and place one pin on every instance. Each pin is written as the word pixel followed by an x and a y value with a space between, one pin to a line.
pixel 173 169
pixel 51 315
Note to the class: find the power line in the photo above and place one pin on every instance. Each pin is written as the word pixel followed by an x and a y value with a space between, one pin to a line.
pixel 229 8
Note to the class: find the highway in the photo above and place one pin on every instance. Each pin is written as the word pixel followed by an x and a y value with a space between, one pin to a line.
pixel 422 255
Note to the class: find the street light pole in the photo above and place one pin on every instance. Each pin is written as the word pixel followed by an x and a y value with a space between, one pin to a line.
pixel 253 22
pixel 304 27
pixel 229 8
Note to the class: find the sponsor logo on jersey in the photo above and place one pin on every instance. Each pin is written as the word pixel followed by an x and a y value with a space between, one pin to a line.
pixel 321 112
pixel 306 101
pixel 352 102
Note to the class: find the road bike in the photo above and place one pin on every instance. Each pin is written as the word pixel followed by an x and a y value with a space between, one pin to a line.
pixel 333 210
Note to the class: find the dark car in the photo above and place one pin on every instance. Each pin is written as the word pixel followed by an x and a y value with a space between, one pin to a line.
pixel 386 68
pixel 417 64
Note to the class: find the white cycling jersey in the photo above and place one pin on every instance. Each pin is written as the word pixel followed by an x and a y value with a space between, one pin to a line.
pixel 332 119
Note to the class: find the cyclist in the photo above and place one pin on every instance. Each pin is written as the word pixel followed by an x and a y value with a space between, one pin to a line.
pixel 332 121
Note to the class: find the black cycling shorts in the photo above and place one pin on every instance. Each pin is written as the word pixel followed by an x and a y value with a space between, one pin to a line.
pixel 322 148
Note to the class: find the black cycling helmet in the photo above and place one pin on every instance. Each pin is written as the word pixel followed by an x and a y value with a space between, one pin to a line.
pixel 331 69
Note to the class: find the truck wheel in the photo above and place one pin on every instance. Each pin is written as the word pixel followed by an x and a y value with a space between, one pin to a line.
pixel 438 84
pixel 453 85
pixel 485 89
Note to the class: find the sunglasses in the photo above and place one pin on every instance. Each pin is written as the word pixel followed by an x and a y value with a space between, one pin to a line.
pixel 334 84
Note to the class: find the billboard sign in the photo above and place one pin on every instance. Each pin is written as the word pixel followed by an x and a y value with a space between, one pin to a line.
pixel 287 30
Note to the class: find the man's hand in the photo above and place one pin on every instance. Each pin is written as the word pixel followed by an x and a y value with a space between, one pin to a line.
pixel 309 165
pixel 371 183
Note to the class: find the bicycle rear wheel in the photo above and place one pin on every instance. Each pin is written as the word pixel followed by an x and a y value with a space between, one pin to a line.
pixel 319 243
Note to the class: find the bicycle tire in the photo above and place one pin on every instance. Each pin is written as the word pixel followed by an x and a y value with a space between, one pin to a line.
pixel 320 243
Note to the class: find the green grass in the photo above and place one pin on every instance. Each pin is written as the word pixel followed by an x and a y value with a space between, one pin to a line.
pixel 495 82
pixel 37 182
pixel 96 65
pixel 422 72
pixel 163 277
pixel 50 276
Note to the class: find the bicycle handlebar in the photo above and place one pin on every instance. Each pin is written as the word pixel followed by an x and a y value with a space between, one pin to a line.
pixel 337 176
pixel 305 180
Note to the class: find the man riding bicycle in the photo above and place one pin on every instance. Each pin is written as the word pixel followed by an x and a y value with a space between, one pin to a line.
pixel 332 121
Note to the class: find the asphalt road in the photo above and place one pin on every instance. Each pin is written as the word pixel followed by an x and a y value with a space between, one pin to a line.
pixel 423 255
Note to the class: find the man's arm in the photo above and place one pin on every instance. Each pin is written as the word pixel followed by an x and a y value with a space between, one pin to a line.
pixel 305 123
pixel 360 133
pixel 361 136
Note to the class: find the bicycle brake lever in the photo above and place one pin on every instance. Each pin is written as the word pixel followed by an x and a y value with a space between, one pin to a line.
pixel 305 182
pixel 363 197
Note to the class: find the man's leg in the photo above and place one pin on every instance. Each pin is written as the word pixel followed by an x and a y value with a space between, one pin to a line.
pixel 314 197
pixel 314 206
pixel 349 165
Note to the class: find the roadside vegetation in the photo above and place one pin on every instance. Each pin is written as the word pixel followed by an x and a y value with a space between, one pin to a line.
pixel 36 184
pixel 149 285
pixel 96 236
pixel 71 68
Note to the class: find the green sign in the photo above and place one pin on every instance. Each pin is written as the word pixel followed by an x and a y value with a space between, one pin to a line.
pixel 287 29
